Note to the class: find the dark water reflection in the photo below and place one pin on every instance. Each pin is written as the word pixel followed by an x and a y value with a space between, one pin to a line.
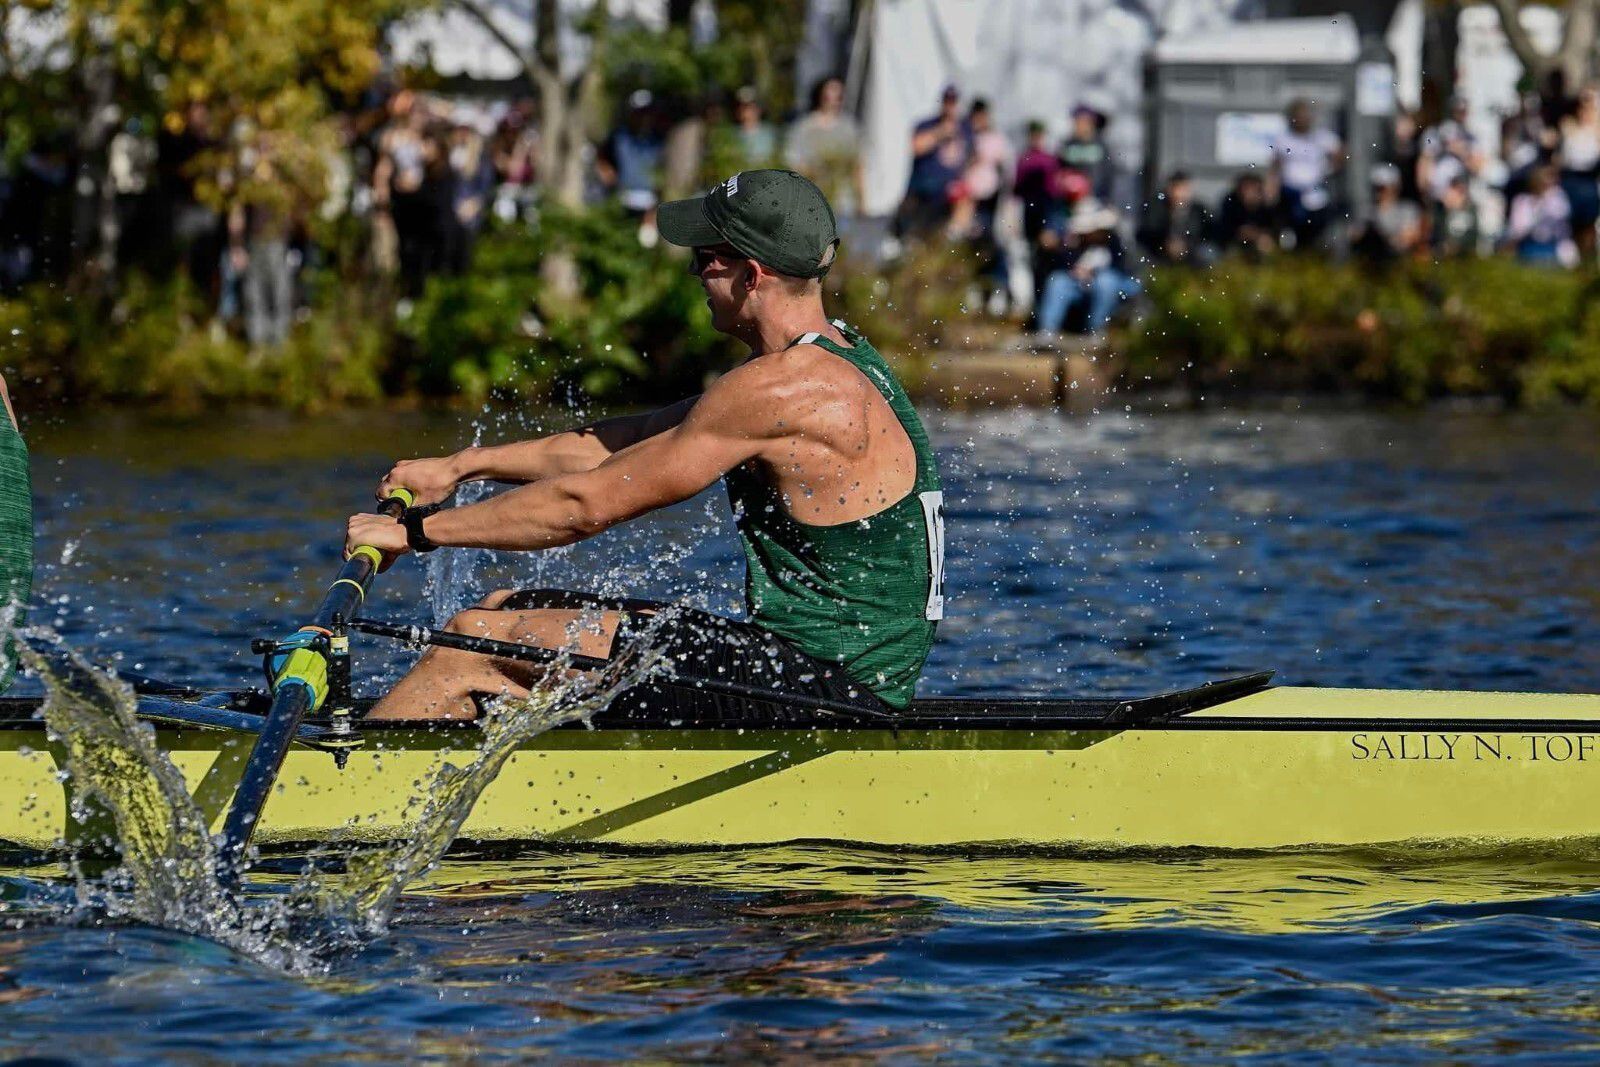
pixel 1118 553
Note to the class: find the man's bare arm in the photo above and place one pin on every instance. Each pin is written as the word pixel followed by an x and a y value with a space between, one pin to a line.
pixel 725 428
pixel 521 462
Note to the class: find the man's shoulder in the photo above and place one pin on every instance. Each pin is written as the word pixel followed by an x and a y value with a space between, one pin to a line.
pixel 805 372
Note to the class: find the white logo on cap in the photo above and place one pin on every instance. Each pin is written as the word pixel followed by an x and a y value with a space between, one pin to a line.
pixel 731 186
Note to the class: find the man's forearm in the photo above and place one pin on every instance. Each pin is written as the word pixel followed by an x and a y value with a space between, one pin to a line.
pixel 570 452
pixel 545 514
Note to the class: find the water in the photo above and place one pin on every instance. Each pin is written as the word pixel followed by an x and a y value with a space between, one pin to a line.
pixel 1120 553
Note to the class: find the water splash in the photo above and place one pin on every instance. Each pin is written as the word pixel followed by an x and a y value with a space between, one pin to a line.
pixel 373 880
pixel 161 859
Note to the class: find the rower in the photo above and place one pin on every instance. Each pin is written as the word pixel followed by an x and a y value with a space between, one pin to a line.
pixel 834 489
pixel 16 535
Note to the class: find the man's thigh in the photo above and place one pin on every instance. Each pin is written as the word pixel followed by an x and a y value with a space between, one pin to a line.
pixel 582 632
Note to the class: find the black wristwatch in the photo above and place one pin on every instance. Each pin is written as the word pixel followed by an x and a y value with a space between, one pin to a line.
pixel 411 519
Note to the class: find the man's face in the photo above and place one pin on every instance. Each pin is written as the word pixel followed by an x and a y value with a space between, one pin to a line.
pixel 1084 126
pixel 724 274
pixel 1180 192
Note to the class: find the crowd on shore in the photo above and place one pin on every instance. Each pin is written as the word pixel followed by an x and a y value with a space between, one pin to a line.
pixel 421 176
pixel 1436 194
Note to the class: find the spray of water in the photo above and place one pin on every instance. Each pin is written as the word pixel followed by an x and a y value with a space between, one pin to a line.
pixel 163 859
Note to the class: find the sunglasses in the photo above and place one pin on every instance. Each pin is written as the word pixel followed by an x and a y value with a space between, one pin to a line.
pixel 705 257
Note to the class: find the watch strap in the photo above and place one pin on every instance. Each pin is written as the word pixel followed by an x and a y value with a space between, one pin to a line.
pixel 411 519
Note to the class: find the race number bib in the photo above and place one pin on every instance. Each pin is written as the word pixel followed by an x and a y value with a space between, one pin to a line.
pixel 933 515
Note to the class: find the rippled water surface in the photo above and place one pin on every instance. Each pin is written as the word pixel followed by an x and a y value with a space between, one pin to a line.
pixel 1107 554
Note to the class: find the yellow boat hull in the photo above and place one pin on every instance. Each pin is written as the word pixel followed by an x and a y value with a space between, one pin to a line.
pixel 1283 767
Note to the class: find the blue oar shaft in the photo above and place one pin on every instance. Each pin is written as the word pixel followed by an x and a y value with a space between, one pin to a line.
pixel 297 690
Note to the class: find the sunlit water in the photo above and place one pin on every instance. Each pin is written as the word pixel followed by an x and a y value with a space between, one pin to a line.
pixel 1119 553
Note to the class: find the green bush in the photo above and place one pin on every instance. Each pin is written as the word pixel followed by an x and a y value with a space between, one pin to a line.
pixel 1411 332
pixel 157 343
pixel 640 319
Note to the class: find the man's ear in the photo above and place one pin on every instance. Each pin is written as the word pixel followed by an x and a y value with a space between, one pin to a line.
pixel 752 276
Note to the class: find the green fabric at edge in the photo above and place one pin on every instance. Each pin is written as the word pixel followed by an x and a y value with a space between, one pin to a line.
pixel 16 537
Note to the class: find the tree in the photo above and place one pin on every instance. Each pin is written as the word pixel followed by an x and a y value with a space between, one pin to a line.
pixel 1574 58
pixel 269 72
pixel 567 103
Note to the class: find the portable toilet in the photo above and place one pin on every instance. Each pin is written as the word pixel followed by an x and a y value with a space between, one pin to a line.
pixel 1215 101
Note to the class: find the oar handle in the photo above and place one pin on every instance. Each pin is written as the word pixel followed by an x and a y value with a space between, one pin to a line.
pixel 394 505
pixel 299 686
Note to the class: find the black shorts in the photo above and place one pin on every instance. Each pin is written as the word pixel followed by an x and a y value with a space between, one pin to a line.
pixel 700 644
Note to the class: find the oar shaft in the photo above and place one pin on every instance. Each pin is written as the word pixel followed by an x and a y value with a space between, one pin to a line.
pixel 298 690
pixel 423 635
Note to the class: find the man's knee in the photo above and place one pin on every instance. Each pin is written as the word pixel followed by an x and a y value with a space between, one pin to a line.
pixel 472 621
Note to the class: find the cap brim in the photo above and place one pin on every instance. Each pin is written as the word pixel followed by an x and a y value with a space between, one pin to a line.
pixel 684 222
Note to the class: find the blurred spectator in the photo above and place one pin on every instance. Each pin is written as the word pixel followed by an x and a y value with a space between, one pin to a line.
pixel 1448 150
pixel 825 146
pixel 1304 159
pixel 473 183
pixel 1247 220
pixel 1579 159
pixel 1036 182
pixel 978 208
pixel 1085 151
pixel 193 228
pixel 755 137
pixel 1176 228
pixel 940 149
pixel 1089 271
pixel 1394 229
pixel 978 196
pixel 1539 225
pixel 1455 227
pixel 35 227
pixel 398 198
pixel 1405 152
pixel 259 255
pixel 1525 142
pixel 514 151
pixel 630 158
pixel 685 155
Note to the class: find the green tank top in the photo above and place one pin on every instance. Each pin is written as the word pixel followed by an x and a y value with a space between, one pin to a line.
pixel 16 539
pixel 864 594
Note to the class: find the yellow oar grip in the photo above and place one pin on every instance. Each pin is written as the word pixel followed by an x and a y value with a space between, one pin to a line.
pixel 371 554
pixel 406 497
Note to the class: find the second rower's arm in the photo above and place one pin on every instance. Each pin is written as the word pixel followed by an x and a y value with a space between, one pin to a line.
pixel 521 462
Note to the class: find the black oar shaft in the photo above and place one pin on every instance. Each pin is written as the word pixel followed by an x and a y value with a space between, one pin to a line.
pixel 423 635
pixel 292 700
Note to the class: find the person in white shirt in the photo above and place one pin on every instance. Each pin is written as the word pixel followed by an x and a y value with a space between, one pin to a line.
pixel 1303 161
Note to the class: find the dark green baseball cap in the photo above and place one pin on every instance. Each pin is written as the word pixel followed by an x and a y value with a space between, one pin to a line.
pixel 778 218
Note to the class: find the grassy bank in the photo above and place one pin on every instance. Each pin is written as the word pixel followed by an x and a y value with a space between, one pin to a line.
pixel 1410 333
pixel 640 330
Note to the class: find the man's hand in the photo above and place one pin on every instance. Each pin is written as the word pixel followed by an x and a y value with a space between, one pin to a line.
pixel 380 532
pixel 431 480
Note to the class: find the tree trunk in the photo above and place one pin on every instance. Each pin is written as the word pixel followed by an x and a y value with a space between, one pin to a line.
pixel 1576 56
pixel 1441 40
pixel 565 110
pixel 96 226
